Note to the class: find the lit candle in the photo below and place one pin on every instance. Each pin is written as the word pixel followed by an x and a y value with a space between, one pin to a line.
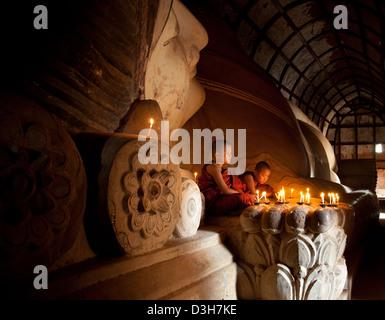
pixel 264 195
pixel 334 198
pixel 195 175
pixel 338 199
pixel 322 197
pixel 151 123
pixel 330 198
pixel 301 199
pixel 257 195
pixel 307 197
pixel 281 195
pixel 291 193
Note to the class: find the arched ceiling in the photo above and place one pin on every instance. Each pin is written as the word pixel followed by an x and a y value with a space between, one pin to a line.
pixel 326 72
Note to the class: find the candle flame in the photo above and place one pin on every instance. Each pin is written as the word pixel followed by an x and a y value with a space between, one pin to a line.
pixel 281 195
pixel 151 123
pixel 322 197
pixel 264 195
pixel 307 196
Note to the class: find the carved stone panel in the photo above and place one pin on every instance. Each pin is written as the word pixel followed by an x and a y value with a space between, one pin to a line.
pixel 132 207
pixel 143 200
pixel 42 188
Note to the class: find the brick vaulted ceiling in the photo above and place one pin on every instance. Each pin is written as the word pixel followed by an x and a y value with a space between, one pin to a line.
pixel 328 73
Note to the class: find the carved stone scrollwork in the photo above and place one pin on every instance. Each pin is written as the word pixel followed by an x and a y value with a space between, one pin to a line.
pixel 294 252
pixel 42 188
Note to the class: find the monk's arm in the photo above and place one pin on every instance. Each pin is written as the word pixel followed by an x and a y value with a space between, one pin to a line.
pixel 249 181
pixel 215 172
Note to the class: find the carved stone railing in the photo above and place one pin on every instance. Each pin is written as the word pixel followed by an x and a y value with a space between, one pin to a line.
pixel 291 252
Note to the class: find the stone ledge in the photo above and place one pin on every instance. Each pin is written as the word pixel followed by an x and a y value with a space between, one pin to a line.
pixel 182 268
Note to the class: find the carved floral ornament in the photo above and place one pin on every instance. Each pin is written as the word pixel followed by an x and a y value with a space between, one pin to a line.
pixel 149 198
pixel 43 186
pixel 144 207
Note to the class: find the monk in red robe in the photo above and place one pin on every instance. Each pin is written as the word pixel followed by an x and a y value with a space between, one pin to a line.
pixel 223 193
pixel 257 180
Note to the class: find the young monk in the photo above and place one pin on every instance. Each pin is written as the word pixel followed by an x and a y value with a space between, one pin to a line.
pixel 223 193
pixel 257 180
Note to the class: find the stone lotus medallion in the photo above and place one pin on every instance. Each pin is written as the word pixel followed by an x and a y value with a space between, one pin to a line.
pixel 143 200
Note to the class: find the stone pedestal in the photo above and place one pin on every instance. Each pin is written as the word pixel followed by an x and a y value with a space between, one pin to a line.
pixel 198 267
pixel 289 251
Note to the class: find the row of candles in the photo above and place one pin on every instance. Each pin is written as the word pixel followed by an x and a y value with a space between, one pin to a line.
pixel 333 198
pixel 305 198
pixel 262 196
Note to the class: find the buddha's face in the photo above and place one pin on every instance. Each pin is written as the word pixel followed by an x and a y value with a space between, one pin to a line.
pixel 170 74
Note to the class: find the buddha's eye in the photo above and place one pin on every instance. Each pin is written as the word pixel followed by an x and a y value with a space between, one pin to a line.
pixel 171 29
pixel 169 41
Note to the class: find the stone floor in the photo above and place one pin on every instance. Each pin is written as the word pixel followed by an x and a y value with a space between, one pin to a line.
pixel 370 280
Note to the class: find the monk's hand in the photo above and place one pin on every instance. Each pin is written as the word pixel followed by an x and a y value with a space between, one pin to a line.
pixel 254 198
pixel 251 200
